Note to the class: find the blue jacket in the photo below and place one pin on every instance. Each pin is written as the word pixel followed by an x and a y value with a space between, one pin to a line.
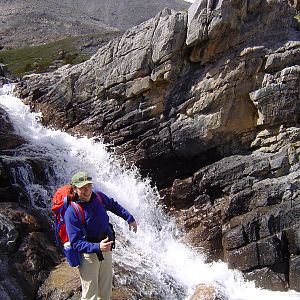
pixel 96 222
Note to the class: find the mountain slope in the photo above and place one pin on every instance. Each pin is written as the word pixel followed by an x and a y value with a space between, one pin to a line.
pixel 27 23
pixel 127 13
pixel 31 22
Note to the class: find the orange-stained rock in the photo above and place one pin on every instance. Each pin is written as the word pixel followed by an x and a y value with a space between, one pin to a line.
pixel 207 292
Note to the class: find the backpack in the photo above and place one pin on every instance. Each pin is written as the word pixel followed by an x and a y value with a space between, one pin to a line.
pixel 62 198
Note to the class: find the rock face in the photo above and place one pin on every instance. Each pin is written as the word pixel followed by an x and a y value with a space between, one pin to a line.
pixel 27 253
pixel 208 104
pixel 131 103
pixel 5 76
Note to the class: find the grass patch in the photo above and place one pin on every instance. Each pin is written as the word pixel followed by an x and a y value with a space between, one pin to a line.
pixel 38 58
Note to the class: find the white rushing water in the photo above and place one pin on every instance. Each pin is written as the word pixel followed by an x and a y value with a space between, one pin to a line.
pixel 155 254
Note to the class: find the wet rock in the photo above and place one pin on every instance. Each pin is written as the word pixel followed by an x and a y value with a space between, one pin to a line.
pixel 62 283
pixel 27 253
pixel 3 70
pixel 181 195
pixel 5 75
pixel 244 258
pixel 8 236
pixel 206 292
pixel 293 235
pixel 8 139
pixel 272 278
pixel 294 273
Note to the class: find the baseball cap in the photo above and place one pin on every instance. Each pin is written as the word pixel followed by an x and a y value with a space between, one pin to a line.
pixel 80 179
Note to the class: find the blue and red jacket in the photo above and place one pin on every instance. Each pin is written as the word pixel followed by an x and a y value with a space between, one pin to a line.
pixel 96 222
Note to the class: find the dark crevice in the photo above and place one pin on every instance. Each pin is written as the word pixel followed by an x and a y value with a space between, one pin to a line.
pixel 164 170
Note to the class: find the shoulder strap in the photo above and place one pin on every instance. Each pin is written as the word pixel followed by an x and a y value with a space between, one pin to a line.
pixel 99 198
pixel 79 211
pixel 63 207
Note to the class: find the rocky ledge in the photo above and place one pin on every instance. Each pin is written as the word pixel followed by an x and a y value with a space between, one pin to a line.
pixel 208 104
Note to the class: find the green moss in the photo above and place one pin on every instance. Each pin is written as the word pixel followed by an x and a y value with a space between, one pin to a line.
pixel 38 58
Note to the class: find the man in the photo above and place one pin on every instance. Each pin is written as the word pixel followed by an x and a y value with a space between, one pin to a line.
pixel 94 238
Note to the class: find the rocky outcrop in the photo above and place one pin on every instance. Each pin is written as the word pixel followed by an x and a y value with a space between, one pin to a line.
pixel 26 255
pixel 208 104
pixel 244 209
pixel 5 76
pixel 168 114
pixel 204 292
pixel 132 75
pixel 27 252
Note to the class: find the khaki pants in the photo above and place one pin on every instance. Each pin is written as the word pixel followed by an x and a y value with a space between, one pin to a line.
pixel 96 276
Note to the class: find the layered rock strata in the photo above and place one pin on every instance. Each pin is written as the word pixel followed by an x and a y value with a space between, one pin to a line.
pixel 208 104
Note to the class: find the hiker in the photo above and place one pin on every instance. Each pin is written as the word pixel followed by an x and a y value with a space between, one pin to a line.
pixel 95 238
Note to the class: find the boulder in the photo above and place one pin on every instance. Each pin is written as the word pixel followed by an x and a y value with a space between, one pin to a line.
pixel 207 292
pixel 27 253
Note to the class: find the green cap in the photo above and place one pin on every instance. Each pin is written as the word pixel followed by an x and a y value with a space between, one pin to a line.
pixel 80 179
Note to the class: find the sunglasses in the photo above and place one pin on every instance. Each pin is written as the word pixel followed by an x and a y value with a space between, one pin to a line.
pixel 86 178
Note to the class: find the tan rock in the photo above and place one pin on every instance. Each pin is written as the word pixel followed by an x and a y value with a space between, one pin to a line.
pixel 207 292
pixel 62 280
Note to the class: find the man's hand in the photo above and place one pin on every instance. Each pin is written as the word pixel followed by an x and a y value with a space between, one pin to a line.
pixel 105 245
pixel 133 226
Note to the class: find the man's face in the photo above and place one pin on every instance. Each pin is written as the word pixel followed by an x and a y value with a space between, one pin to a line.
pixel 84 193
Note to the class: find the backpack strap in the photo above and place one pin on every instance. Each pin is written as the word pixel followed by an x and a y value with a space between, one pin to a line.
pixel 60 221
pixel 79 211
pixel 99 198
pixel 80 214
pixel 64 206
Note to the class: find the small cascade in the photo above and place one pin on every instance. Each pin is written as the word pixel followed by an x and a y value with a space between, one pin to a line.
pixel 153 262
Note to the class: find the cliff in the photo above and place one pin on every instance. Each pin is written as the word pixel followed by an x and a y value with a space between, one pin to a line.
pixel 208 104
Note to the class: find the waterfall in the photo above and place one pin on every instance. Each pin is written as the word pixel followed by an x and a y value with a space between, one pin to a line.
pixel 155 260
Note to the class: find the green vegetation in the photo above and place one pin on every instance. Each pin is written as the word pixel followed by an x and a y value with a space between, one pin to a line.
pixel 38 58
